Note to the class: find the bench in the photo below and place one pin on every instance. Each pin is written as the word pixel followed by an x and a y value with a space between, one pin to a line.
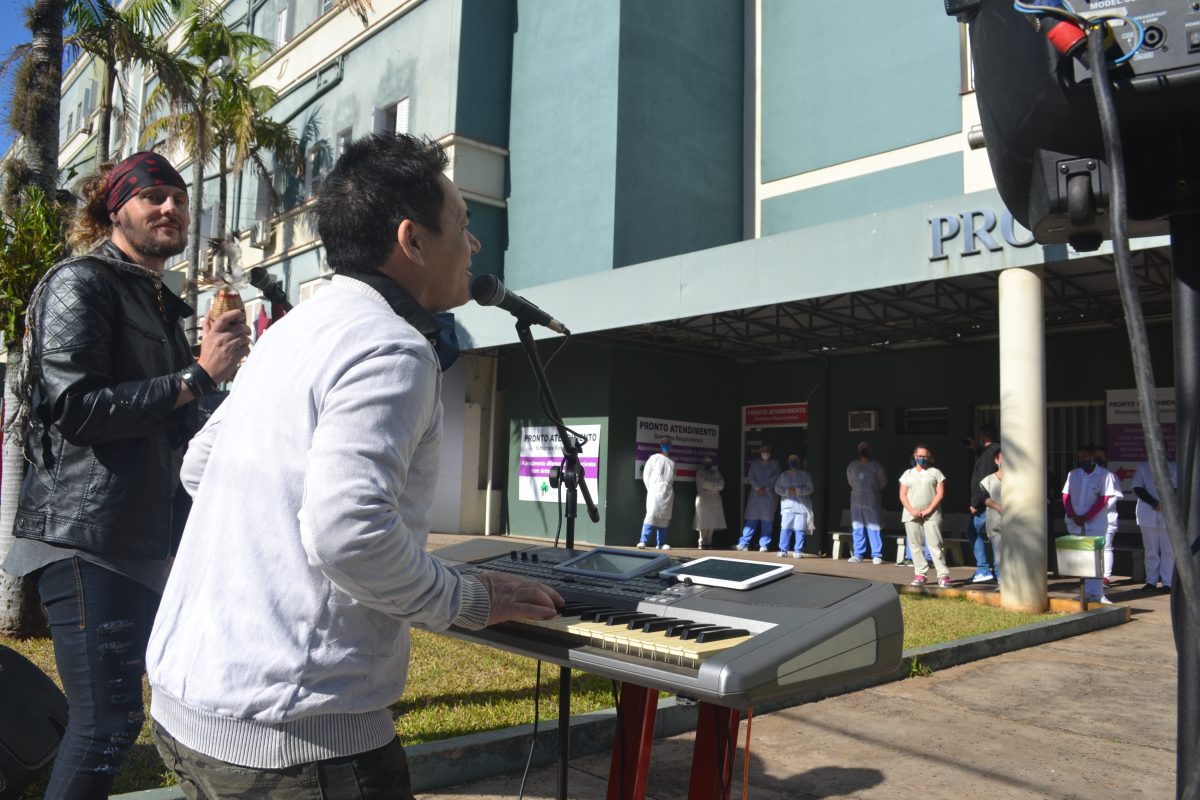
pixel 1127 540
pixel 893 528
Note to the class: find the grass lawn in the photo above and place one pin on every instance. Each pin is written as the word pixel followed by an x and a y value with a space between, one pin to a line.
pixel 456 688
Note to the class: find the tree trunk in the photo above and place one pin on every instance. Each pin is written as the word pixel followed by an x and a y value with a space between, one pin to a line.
pixel 103 144
pixel 41 135
pixel 21 614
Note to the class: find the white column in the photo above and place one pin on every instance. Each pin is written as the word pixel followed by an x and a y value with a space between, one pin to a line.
pixel 1023 439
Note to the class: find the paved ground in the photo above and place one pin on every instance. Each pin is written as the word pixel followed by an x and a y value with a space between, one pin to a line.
pixel 1088 717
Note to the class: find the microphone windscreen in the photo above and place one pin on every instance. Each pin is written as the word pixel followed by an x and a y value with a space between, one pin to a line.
pixel 487 290
pixel 260 278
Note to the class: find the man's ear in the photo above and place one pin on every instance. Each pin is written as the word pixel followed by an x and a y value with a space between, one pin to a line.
pixel 408 236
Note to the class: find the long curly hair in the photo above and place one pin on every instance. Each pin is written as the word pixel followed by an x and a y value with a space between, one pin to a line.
pixel 91 223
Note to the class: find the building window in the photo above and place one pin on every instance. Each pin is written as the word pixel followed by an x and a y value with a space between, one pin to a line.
pixel 282 32
pixel 315 164
pixel 326 6
pixel 924 421
pixel 344 138
pixel 392 118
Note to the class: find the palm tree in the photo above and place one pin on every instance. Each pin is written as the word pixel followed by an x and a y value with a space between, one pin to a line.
pixel 116 39
pixel 214 59
pixel 31 240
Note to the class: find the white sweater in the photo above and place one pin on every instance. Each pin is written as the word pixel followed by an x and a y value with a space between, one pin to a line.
pixel 282 635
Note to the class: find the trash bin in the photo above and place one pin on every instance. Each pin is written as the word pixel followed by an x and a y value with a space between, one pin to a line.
pixel 1080 556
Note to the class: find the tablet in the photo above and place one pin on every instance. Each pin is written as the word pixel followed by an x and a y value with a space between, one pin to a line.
pixel 728 573
pixel 614 564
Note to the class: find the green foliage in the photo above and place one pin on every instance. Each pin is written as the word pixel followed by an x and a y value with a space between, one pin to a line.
pixel 31 241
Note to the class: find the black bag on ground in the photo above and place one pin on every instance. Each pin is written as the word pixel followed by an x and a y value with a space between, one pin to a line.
pixel 33 716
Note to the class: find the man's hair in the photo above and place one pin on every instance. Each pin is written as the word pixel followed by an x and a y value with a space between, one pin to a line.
pixel 378 182
pixel 92 222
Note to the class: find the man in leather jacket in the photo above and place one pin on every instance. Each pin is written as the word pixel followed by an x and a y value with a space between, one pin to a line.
pixel 108 386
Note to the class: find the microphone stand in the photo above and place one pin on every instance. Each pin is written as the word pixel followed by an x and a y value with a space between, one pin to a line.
pixel 573 480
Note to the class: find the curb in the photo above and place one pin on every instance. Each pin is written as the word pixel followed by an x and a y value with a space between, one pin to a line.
pixel 464 759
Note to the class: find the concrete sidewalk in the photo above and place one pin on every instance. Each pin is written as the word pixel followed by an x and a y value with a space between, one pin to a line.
pixel 1087 717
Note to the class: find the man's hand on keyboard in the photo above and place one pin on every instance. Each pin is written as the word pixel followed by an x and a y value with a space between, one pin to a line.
pixel 518 598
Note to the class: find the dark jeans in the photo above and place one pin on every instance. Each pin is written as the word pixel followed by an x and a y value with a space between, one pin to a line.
pixel 100 622
pixel 380 774
pixel 976 527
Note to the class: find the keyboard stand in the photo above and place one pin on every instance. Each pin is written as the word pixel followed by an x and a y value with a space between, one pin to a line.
pixel 716 735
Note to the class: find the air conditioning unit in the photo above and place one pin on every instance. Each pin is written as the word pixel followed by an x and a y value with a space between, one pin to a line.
pixel 863 421
pixel 262 235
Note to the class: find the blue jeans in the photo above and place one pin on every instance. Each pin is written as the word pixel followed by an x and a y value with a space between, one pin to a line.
pixel 380 774
pixel 100 622
pixel 766 529
pixel 660 534
pixel 785 539
pixel 975 529
pixel 860 536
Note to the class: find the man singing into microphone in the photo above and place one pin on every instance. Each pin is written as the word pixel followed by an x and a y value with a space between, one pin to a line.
pixel 282 637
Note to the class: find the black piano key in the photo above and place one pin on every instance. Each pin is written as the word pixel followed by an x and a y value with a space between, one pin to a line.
pixel 720 634
pixel 599 615
pixel 660 624
pixel 694 631
pixel 640 622
pixel 626 617
pixel 677 630
pixel 578 609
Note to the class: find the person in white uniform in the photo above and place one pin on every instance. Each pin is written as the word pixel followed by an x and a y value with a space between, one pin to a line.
pixel 760 507
pixel 922 489
pixel 867 479
pixel 1160 558
pixel 1110 528
pixel 1086 497
pixel 794 487
pixel 710 513
pixel 659 477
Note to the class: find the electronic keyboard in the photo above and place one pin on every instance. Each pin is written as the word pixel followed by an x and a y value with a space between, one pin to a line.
pixel 732 648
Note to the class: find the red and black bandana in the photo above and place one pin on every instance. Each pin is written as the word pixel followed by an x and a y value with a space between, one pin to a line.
pixel 138 172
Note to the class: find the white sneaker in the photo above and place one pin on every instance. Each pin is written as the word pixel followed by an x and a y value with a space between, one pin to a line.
pixel 641 545
pixel 855 559
pixel 877 561
pixel 665 547
pixel 700 546
pixel 740 547
pixel 782 553
pixel 795 555
pixel 763 550
pixel 1106 601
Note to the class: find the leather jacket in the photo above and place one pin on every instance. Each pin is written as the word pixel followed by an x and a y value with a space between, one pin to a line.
pixel 105 442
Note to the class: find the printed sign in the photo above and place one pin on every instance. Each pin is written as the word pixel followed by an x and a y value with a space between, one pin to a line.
pixel 1123 431
pixel 778 414
pixel 690 443
pixel 541 450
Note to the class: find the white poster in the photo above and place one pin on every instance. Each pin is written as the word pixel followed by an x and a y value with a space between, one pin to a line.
pixel 690 443
pixel 541 450
pixel 1124 436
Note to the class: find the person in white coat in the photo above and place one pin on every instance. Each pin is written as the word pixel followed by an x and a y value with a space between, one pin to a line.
pixel 1087 495
pixel 1156 544
pixel 867 479
pixel 760 507
pixel 659 477
pixel 794 487
pixel 710 514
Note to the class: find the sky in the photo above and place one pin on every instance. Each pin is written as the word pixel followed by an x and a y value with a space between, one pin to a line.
pixel 12 32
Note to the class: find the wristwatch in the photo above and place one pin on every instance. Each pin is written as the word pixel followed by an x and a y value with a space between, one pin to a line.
pixel 197 381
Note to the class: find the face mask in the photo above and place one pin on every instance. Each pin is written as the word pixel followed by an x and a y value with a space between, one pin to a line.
pixel 1086 464
pixel 921 461
pixel 666 448
pixel 765 456
pixel 864 453
pixel 709 466
pixel 794 464
pixel 1101 462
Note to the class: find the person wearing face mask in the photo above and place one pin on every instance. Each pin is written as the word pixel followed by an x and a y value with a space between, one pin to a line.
pixel 922 489
pixel 1087 495
pixel 710 514
pixel 1110 515
pixel 760 507
pixel 794 487
pixel 1156 544
pixel 867 479
pixel 659 477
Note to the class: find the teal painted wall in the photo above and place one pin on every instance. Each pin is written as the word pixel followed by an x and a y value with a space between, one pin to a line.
pixel 618 385
pixel 679 128
pixel 485 70
pixel 898 187
pixel 563 141
pixel 836 87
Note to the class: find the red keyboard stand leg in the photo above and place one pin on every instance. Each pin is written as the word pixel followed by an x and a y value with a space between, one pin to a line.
pixel 632 743
pixel 713 753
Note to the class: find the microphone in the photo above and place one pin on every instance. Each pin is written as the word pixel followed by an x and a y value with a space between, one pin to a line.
pixel 261 279
pixel 487 290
